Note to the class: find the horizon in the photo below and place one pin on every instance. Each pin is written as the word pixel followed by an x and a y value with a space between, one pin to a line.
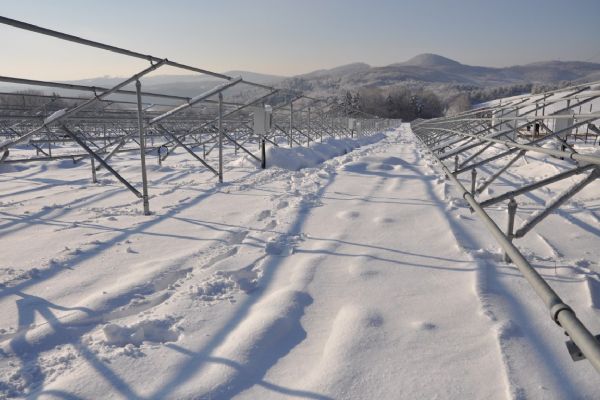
pixel 340 33
pixel 229 72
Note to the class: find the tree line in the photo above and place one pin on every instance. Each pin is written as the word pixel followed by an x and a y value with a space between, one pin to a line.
pixel 429 101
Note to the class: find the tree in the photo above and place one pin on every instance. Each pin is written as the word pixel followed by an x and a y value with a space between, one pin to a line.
pixel 348 103
pixel 457 104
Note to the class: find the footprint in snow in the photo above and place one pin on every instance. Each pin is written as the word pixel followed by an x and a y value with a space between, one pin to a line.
pixel 384 220
pixel 282 204
pixel 279 248
pixel 592 289
pixel 383 167
pixel 237 237
pixel 348 215
pixel 263 215
pixel 361 268
pixel 271 225
pixel 424 325
pixel 362 271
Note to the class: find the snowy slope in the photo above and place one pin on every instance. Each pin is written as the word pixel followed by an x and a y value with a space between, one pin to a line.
pixel 345 280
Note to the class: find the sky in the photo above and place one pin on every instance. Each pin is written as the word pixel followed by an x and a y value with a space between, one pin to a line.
pixel 285 37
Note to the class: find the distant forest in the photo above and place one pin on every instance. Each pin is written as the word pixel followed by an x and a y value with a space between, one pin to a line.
pixel 408 103
pixel 403 101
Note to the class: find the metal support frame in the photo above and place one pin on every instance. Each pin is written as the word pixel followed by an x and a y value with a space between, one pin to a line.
pixel 557 202
pixel 535 185
pixel 142 139
pixel 220 137
pixel 101 161
pixel 561 313
pixel 473 180
pixel 512 212
pixel 452 137
pixel 57 117
pixel 495 176
pixel 116 120
pixel 291 131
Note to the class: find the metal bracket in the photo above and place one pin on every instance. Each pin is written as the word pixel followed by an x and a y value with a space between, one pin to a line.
pixel 4 155
pixel 575 352
pixel 556 309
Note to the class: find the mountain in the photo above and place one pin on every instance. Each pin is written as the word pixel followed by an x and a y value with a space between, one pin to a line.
pixel 188 85
pixel 552 71
pixel 191 85
pixel 440 73
pixel 424 71
pixel 429 60
pixel 338 71
pixel 157 80
pixel 433 68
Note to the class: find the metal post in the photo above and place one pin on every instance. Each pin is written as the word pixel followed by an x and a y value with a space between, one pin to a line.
pixel 138 89
pixel 94 180
pixel 261 137
pixel 235 146
pixel 291 121
pixel 456 163
pixel 473 180
pixel 512 211
pixel 562 144
pixel 587 128
pixel 263 150
pixel 321 134
pixel 220 137
pixel 308 126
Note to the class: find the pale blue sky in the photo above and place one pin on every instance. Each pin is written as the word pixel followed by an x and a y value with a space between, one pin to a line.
pixel 291 37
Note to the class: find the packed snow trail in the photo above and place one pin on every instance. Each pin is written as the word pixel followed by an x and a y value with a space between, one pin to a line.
pixel 394 313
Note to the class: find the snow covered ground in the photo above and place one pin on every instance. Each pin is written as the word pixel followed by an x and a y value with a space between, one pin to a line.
pixel 361 277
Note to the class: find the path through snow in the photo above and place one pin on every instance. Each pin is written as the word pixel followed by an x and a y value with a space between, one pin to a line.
pixel 394 312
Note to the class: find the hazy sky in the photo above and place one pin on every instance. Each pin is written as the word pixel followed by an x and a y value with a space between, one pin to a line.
pixel 291 37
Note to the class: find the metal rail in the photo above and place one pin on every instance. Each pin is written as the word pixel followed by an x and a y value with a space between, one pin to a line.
pixel 444 138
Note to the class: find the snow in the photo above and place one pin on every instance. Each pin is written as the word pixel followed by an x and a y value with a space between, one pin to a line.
pixel 156 330
pixel 55 115
pixel 350 270
pixel 297 158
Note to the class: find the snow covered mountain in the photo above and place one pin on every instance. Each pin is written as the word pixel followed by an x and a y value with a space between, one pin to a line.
pixel 424 70
pixel 432 69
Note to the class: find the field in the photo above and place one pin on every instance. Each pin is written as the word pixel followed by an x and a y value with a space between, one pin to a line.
pixel 364 276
